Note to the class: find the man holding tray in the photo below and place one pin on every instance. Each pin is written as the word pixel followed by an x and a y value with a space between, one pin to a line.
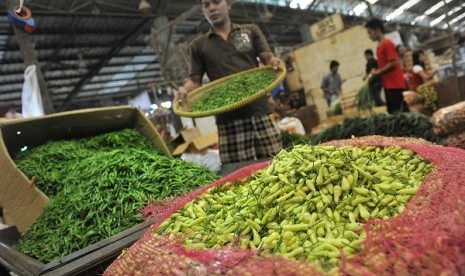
pixel 246 133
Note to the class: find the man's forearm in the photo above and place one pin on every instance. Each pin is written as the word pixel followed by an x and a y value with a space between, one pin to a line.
pixel 388 67
pixel 189 85
pixel 269 59
pixel 266 57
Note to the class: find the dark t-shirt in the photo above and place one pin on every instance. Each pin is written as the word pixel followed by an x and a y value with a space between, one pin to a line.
pixel 212 55
pixel 372 64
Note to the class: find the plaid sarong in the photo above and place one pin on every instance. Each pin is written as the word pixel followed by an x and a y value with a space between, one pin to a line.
pixel 248 139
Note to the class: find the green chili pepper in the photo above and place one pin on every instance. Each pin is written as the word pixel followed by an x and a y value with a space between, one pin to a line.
pixel 234 90
pixel 97 186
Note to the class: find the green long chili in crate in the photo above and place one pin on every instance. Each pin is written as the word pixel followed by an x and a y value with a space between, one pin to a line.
pixel 234 90
pixel 98 186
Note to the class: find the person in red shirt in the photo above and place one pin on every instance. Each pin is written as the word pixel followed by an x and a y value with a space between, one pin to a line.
pixel 419 74
pixel 389 67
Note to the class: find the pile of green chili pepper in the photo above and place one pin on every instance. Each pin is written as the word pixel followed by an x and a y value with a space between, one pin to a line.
pixel 234 90
pixel 310 204
pixel 97 186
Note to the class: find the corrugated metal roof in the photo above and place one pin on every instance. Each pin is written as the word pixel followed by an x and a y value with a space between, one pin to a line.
pixel 92 48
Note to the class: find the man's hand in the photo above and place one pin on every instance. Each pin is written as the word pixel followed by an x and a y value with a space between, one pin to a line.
pixel 181 94
pixel 189 84
pixel 276 63
pixel 375 73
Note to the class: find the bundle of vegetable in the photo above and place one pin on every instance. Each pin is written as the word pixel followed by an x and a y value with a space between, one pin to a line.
pixel 308 204
pixel 336 107
pixel 396 125
pixel 363 100
pixel 430 95
pixel 99 185
pixel 234 90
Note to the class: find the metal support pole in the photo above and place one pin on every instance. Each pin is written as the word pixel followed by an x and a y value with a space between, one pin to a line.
pixel 162 51
pixel 30 58
pixel 181 18
pixel 454 58
pixel 370 11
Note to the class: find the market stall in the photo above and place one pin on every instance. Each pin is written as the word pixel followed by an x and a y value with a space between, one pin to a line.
pixel 159 137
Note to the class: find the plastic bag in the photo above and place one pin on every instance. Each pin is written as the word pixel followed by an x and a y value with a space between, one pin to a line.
pixel 210 160
pixel 336 107
pixel 412 98
pixel 291 125
pixel 31 98
pixel 414 101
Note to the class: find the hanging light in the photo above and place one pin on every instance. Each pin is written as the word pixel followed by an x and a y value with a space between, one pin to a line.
pixel 145 6
pixel 82 64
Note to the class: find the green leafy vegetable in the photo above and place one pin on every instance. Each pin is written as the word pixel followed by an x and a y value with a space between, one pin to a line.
pixel 363 100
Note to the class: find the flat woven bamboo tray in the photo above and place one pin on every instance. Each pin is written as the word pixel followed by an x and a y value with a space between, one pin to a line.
pixel 182 108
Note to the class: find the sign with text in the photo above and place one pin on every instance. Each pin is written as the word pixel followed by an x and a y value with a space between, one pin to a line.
pixel 327 27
